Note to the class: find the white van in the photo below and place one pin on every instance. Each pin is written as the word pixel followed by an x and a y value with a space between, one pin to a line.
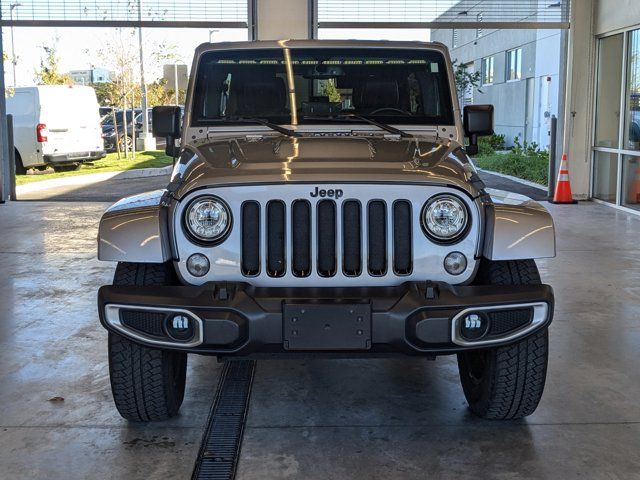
pixel 57 125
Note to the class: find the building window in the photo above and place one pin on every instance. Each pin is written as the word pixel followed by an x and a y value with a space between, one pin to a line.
pixel 479 29
pixel 514 64
pixel 487 70
pixel 455 37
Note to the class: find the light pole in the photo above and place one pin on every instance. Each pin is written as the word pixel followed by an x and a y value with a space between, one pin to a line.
pixel 211 32
pixel 146 139
pixel 13 51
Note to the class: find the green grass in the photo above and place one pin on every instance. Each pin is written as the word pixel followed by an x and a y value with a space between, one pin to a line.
pixel 110 163
pixel 534 168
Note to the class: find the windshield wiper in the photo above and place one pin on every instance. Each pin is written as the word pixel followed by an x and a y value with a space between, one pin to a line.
pixel 349 117
pixel 260 121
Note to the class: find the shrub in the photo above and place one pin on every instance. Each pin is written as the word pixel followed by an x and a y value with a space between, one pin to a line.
pixel 489 145
pixel 497 142
pixel 527 149
pixel 484 146
pixel 533 168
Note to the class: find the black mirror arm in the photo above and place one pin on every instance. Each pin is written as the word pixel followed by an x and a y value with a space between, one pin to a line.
pixel 472 148
pixel 170 148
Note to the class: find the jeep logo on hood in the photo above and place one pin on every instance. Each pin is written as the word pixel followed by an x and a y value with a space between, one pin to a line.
pixel 331 193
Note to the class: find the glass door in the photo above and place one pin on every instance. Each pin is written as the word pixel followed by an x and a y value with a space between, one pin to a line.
pixel 607 120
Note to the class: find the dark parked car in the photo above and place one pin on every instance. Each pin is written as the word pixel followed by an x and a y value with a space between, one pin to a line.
pixel 109 129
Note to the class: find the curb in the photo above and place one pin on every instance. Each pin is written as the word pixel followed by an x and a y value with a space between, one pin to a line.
pixel 515 179
pixel 93 178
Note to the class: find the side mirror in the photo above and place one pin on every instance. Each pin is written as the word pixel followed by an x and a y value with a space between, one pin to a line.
pixel 477 122
pixel 165 123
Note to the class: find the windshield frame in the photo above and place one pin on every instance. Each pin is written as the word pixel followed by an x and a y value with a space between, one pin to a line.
pixel 448 104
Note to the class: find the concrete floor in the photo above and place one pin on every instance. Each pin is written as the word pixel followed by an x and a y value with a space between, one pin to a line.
pixel 373 419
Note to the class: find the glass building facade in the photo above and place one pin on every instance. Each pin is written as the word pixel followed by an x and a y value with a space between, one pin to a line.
pixel 616 145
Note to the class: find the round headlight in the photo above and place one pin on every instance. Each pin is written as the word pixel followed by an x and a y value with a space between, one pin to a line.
pixel 208 219
pixel 445 218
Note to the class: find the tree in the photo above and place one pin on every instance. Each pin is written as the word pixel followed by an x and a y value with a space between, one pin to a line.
pixel 464 80
pixel 158 94
pixel 107 93
pixel 165 54
pixel 121 53
pixel 48 73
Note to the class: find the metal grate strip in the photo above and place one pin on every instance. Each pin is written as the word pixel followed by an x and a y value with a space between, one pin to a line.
pixel 326 238
pixel 301 238
pixel 377 238
pixel 250 239
pixel 222 439
pixel 402 254
pixel 276 231
pixel 352 238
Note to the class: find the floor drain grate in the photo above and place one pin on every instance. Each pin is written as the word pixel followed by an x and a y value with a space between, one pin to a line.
pixel 220 448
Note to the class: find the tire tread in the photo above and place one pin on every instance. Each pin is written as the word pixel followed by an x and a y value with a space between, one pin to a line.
pixel 517 379
pixel 142 378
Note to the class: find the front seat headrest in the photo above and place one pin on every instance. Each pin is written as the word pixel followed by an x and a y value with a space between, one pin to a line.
pixel 264 96
pixel 376 93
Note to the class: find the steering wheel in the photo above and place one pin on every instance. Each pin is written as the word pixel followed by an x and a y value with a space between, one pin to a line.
pixel 390 109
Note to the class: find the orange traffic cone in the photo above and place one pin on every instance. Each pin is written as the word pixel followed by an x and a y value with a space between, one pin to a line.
pixel 563 187
pixel 634 192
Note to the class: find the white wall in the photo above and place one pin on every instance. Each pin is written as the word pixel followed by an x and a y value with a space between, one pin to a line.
pixel 612 15
pixel 283 19
pixel 547 65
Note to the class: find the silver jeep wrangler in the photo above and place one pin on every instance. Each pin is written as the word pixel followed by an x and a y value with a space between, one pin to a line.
pixel 323 203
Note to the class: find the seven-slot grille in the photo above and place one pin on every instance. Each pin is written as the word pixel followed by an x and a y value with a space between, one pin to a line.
pixel 326 236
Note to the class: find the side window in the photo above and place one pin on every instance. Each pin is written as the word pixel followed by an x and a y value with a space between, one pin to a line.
pixel 514 64
pixel 487 71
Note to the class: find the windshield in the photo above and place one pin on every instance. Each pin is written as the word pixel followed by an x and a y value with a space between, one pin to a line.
pixel 388 85
pixel 108 118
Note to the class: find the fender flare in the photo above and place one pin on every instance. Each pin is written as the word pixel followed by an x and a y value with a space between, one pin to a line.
pixel 517 228
pixel 135 229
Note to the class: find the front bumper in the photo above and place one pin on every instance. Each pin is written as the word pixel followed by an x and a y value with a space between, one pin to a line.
pixel 72 157
pixel 241 320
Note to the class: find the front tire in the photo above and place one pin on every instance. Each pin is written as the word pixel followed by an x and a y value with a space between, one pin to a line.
pixel 147 383
pixel 506 382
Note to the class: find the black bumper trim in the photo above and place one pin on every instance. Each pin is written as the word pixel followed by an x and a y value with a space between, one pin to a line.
pixel 396 313
pixel 74 157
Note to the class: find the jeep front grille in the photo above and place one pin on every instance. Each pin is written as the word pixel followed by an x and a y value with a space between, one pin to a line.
pixel 337 243
pixel 299 235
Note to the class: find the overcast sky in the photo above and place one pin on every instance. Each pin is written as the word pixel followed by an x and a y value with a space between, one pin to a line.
pixel 78 48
